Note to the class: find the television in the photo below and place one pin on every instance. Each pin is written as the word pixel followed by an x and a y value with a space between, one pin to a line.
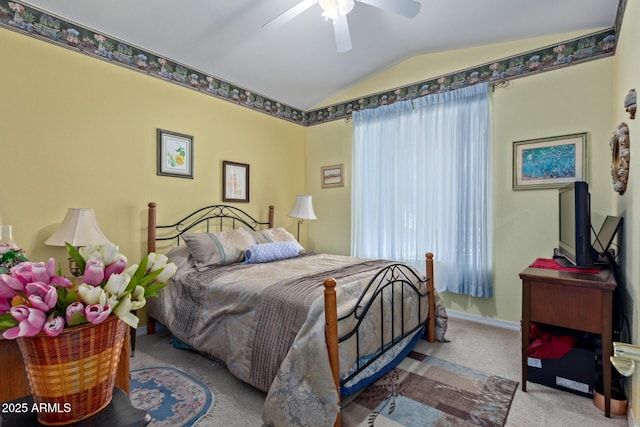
pixel 575 224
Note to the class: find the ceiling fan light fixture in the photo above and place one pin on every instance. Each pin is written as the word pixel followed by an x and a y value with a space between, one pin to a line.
pixel 332 8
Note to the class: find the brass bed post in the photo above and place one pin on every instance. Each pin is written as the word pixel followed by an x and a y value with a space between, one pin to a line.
pixel 431 325
pixel 331 335
pixel 271 212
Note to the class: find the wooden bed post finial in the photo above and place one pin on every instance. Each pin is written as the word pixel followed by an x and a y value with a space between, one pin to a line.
pixel 331 335
pixel 431 321
pixel 271 214
pixel 151 227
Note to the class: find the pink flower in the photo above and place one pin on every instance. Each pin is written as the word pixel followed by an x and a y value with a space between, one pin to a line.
pixel 54 325
pixel 117 267
pixel 61 281
pixel 73 309
pixel 41 295
pixel 30 272
pixel 5 305
pixel 31 321
pixel 93 272
pixel 39 272
pixel 96 313
pixel 9 285
pixel 51 267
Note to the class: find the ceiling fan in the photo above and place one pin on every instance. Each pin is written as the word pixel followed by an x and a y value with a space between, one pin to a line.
pixel 337 11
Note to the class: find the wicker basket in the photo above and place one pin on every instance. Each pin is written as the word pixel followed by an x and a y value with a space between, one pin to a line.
pixel 71 376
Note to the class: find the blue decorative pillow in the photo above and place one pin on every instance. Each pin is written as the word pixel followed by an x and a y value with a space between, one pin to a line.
pixel 267 252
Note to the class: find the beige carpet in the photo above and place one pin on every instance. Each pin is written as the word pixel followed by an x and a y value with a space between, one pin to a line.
pixel 477 346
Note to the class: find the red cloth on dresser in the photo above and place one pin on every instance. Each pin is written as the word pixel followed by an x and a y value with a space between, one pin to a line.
pixel 551 264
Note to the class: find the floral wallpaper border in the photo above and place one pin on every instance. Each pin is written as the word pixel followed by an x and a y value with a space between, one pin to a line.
pixel 26 19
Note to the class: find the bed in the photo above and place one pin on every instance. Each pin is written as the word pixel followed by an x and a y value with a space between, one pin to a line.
pixel 307 329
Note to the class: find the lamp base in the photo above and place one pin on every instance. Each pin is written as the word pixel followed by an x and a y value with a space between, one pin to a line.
pixel 73 268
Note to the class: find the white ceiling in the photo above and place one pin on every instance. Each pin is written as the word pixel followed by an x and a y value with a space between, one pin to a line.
pixel 297 63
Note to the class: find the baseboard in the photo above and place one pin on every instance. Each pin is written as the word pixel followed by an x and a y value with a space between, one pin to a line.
pixel 631 421
pixel 504 324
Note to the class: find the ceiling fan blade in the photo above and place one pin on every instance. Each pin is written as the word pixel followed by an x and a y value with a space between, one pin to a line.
pixel 408 8
pixel 343 37
pixel 289 14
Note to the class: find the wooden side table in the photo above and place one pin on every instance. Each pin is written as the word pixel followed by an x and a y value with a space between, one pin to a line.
pixel 581 301
pixel 119 413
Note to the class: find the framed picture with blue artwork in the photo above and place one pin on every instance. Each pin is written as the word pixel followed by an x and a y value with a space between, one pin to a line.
pixel 549 162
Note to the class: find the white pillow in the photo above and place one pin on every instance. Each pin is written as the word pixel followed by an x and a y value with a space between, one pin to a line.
pixel 272 235
pixel 219 248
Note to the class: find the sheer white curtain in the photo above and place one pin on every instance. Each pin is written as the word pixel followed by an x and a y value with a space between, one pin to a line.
pixel 422 183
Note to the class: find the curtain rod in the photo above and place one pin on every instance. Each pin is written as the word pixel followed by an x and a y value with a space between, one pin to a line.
pixel 503 83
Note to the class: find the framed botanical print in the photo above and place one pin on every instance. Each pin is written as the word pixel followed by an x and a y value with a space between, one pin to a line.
pixel 175 154
pixel 235 182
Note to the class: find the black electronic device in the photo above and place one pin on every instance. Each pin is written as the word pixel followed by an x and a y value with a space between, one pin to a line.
pixel 575 224
pixel 606 234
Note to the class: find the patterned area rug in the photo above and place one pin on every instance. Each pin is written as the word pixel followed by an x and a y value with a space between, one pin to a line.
pixel 172 397
pixel 426 391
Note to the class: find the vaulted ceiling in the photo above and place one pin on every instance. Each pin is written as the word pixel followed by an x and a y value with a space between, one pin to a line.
pixel 297 63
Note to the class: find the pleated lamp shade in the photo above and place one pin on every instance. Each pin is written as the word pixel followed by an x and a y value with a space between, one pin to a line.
pixel 79 228
pixel 303 209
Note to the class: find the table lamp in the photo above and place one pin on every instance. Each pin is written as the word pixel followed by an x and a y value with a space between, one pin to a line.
pixel 303 209
pixel 79 228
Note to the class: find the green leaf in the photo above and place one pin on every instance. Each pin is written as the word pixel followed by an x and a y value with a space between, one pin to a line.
pixel 152 290
pixel 75 255
pixel 141 270
pixel 7 321
pixel 149 278
pixel 131 286
pixel 77 319
pixel 65 298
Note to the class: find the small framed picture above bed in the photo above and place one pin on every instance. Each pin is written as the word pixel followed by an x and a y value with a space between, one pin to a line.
pixel 175 154
pixel 235 182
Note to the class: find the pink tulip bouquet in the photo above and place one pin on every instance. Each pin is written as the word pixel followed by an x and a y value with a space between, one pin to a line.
pixel 35 298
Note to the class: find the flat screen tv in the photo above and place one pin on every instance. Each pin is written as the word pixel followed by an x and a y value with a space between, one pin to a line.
pixel 575 224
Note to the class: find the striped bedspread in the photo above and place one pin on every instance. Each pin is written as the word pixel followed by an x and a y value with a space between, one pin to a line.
pixel 266 323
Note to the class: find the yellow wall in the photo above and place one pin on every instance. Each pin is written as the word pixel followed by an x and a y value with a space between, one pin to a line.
pixel 79 132
pixel 585 97
pixel 569 100
pixel 626 77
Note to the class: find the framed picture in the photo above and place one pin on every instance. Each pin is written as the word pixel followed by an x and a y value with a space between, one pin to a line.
pixel 235 182
pixel 175 154
pixel 549 162
pixel 332 176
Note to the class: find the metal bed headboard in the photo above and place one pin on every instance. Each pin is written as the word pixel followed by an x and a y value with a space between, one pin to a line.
pixel 214 215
